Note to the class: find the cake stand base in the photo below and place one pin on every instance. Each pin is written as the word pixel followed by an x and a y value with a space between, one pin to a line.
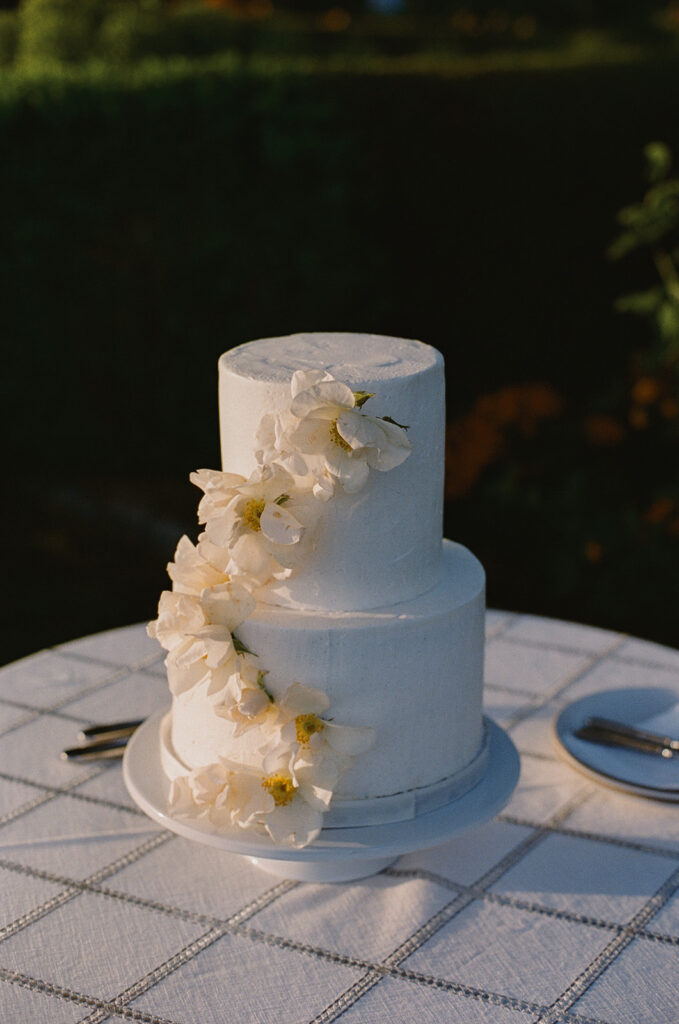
pixel 324 871
pixel 338 854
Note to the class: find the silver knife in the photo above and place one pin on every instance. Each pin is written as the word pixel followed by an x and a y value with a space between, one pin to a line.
pixel 619 734
pixel 112 731
pixel 94 751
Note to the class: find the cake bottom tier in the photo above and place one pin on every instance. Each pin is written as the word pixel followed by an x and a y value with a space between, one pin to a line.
pixel 412 671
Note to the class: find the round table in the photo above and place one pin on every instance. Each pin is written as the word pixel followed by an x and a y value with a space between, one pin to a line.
pixel 564 908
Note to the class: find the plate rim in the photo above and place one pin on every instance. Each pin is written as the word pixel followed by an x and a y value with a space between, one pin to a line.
pixel 562 732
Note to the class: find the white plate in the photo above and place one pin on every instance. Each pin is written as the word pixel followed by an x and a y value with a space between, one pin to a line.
pixel 644 774
pixel 338 854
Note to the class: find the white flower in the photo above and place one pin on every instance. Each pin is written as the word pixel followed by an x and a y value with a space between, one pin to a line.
pixel 330 430
pixel 246 700
pixel 207 655
pixel 191 572
pixel 261 521
pixel 312 739
pixel 178 614
pixel 288 805
pixel 271 436
pixel 198 633
pixel 301 795
pixel 222 795
pixel 228 604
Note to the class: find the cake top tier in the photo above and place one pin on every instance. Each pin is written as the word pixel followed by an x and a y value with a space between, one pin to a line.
pixel 352 358
pixel 378 542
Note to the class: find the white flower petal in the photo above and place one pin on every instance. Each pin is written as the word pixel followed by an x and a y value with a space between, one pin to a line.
pixel 180 797
pixel 222 529
pixel 323 775
pixel 189 572
pixel 218 679
pixel 324 488
pixel 177 614
pixel 295 824
pixel 216 645
pixel 217 557
pixel 302 380
pixel 299 699
pixel 186 653
pixel 253 703
pixel 351 470
pixel 279 525
pixel 324 400
pixel 359 430
pixel 310 436
pixel 182 678
pixel 315 796
pixel 251 556
pixel 386 459
pixel 216 481
pixel 227 604
pixel 267 482
pixel 248 799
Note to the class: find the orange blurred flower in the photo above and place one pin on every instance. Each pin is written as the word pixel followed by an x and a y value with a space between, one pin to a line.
pixel 593 551
pixel 477 439
pixel 658 510
pixel 259 10
pixel 669 408
pixel 645 390
pixel 335 20
pixel 521 405
pixel 604 431
pixel 465 22
pixel 472 443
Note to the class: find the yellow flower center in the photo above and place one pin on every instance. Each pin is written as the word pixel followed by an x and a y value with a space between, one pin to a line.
pixel 253 513
pixel 280 787
pixel 307 725
pixel 337 438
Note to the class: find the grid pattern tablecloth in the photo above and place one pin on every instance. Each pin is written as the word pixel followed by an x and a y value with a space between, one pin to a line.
pixel 563 909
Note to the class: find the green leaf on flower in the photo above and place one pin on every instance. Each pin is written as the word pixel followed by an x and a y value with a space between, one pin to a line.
pixel 260 683
pixel 281 499
pixel 240 647
pixel 388 419
pixel 361 397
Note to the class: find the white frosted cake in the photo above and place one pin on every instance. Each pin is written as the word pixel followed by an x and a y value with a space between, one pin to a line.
pixel 325 646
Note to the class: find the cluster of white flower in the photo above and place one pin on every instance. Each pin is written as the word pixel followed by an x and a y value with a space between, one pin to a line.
pixel 258 530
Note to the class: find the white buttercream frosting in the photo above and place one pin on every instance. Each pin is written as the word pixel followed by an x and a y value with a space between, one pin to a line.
pixel 412 671
pixel 324 645
pixel 385 541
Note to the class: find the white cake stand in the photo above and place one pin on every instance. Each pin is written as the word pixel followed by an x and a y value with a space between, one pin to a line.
pixel 338 854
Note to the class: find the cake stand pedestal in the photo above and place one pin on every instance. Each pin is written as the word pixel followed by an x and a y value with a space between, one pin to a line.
pixel 338 854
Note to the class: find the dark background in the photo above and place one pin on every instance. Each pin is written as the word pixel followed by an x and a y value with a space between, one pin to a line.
pixel 158 212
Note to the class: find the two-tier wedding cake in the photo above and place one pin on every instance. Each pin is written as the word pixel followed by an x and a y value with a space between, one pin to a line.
pixel 325 646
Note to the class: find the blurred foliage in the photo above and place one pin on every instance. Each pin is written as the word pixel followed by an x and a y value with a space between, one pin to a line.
pixel 127 31
pixel 596 493
pixel 652 226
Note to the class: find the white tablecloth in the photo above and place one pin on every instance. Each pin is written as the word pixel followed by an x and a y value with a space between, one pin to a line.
pixel 562 909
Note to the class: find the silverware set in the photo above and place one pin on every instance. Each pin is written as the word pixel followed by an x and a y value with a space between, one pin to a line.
pixel 99 742
pixel 618 734
pixel 109 741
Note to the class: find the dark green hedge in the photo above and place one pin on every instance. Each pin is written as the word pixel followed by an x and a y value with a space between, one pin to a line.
pixel 153 220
